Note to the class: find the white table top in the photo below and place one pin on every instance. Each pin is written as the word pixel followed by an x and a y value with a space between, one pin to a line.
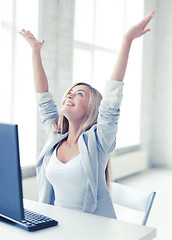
pixel 75 225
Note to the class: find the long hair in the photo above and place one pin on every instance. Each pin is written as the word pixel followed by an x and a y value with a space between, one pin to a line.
pixel 61 124
pixel 108 174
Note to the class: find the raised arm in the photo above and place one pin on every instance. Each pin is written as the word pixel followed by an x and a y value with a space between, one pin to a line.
pixel 40 79
pixel 136 31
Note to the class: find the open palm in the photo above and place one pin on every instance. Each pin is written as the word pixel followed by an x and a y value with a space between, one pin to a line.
pixel 33 42
pixel 139 29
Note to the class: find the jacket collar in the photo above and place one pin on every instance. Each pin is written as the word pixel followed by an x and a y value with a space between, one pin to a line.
pixel 52 140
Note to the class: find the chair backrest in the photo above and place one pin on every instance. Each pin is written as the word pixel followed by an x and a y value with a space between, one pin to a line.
pixel 132 198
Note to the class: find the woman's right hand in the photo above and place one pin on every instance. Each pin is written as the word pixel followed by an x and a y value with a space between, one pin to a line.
pixel 33 42
pixel 140 29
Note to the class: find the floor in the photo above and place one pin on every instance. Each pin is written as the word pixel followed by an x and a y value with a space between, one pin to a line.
pixel 159 180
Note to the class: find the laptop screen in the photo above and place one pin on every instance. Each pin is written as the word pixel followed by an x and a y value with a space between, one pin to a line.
pixel 11 196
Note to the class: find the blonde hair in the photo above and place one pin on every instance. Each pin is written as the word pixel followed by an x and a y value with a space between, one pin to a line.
pixel 108 174
pixel 61 124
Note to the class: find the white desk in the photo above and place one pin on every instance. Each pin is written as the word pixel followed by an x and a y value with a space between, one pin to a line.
pixel 75 225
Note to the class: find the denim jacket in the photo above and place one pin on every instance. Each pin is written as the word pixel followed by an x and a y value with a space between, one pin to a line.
pixel 95 145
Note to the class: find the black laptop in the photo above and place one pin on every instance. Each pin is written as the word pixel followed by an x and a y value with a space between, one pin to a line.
pixel 11 194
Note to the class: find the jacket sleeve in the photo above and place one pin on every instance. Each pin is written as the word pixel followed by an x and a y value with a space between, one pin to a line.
pixel 47 109
pixel 109 112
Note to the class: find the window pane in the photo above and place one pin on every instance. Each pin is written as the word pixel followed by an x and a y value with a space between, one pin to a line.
pixel 103 66
pixel 5 75
pixel 27 15
pixel 109 23
pixel 24 93
pixel 112 19
pixel 130 17
pixel 84 16
pixel 6 7
pixel 17 100
pixel 129 123
pixel 82 65
pixel 24 102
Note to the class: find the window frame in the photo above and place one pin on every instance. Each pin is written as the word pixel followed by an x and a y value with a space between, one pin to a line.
pixel 10 26
pixel 93 47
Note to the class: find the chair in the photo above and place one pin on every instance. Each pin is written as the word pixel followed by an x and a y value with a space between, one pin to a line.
pixel 132 198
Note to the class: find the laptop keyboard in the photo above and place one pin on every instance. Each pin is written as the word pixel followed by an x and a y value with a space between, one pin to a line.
pixel 35 221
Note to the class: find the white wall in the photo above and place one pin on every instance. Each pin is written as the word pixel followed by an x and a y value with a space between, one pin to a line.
pixel 161 151
pixel 157 85
pixel 56 24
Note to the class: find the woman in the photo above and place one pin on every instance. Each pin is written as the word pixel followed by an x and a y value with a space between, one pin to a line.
pixel 71 167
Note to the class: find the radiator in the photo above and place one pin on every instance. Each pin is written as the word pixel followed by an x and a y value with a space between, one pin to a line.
pixel 130 163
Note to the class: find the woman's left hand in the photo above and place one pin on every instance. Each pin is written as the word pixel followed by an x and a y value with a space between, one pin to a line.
pixel 139 29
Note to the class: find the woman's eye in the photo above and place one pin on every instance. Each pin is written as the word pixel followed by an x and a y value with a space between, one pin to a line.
pixel 80 94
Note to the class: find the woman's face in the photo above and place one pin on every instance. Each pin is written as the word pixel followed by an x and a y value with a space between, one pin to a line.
pixel 76 102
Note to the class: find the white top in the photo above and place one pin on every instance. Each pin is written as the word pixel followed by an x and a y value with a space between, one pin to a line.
pixel 68 180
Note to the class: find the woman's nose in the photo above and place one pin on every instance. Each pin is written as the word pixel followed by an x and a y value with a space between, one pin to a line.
pixel 71 96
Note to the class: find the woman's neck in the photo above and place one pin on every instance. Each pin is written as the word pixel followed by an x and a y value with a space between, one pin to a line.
pixel 73 134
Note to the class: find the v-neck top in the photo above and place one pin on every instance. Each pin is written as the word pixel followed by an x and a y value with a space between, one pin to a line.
pixel 68 180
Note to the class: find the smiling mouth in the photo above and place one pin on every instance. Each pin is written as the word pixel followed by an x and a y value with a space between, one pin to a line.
pixel 69 104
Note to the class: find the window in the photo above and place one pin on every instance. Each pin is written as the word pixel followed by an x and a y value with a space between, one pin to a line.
pixel 17 99
pixel 98 31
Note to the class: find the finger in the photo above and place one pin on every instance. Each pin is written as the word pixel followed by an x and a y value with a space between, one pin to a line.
pixel 145 31
pixel 147 19
pixel 29 32
pixel 25 34
pixel 22 34
pixel 150 14
pixel 23 31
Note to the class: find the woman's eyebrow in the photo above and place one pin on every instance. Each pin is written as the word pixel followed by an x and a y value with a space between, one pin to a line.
pixel 78 91
pixel 81 90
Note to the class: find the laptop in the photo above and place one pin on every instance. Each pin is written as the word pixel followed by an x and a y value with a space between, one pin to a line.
pixel 11 193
